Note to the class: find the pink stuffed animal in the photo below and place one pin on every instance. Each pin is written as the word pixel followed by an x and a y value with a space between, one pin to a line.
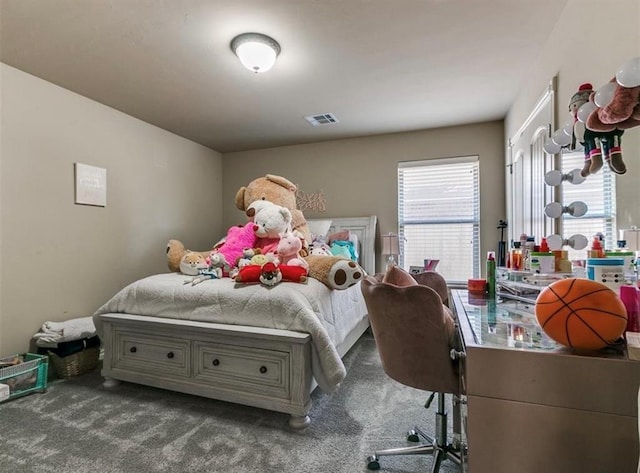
pixel 238 239
pixel 289 250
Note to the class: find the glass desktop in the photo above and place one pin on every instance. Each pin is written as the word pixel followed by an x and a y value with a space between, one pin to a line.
pixel 500 323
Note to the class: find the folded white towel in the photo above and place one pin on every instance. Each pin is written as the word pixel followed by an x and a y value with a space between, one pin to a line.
pixel 52 333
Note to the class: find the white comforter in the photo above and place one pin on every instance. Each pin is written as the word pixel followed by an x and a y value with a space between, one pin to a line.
pixel 328 316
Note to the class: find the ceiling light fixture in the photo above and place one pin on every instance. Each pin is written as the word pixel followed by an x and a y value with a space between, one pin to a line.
pixel 257 52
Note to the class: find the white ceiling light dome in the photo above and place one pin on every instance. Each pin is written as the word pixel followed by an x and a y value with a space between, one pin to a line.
pixel 256 51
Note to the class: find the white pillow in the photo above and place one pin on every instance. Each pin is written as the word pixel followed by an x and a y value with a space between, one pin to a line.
pixel 319 227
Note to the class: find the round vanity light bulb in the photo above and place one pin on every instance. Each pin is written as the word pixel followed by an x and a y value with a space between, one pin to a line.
pixel 550 147
pixel 585 110
pixel 575 177
pixel 555 242
pixel 604 95
pixel 567 128
pixel 578 242
pixel 559 137
pixel 578 208
pixel 553 210
pixel 553 178
pixel 629 73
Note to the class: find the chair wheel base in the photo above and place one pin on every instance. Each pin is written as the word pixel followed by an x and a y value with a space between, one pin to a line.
pixel 373 463
pixel 412 436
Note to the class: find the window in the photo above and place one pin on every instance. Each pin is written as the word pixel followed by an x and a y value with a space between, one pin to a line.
pixel 598 191
pixel 439 213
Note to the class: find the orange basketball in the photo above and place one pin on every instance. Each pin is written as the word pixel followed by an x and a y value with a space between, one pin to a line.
pixel 580 313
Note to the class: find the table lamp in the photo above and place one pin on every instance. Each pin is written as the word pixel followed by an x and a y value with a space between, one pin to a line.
pixel 390 247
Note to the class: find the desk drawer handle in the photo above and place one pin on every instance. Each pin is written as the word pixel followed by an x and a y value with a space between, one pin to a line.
pixel 215 362
pixel 170 355
pixel 263 369
pixel 133 349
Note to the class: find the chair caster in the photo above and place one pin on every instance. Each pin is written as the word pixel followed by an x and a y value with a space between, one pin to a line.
pixel 373 463
pixel 412 436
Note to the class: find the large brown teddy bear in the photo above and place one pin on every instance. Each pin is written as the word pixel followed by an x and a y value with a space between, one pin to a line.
pixel 334 271
pixel 278 190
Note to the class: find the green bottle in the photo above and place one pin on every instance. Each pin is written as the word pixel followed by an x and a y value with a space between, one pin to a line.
pixel 491 273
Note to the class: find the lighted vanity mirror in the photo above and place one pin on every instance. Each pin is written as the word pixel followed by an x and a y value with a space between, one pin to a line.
pixel 600 203
pixel 542 171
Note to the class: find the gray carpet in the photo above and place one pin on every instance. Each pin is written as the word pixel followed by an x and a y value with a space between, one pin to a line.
pixel 78 426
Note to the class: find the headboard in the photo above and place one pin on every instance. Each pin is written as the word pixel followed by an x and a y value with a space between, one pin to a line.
pixel 365 229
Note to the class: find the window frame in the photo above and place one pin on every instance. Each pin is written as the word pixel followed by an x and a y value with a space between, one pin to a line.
pixel 404 223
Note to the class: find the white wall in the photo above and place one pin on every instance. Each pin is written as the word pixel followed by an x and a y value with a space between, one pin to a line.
pixel 60 260
pixel 591 40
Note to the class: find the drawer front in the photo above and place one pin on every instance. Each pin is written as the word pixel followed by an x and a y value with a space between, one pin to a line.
pixel 157 355
pixel 248 369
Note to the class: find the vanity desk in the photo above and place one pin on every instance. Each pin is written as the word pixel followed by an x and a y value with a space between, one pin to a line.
pixel 535 406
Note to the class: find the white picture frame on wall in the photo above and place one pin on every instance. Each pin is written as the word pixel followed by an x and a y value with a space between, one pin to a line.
pixel 90 185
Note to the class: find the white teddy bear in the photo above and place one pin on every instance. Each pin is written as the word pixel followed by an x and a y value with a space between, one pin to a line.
pixel 270 220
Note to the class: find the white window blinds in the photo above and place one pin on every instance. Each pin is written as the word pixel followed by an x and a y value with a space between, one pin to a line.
pixel 439 213
pixel 598 191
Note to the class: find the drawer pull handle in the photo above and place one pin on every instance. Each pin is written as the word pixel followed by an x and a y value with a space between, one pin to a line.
pixel 133 349
pixel 263 369
pixel 216 362
pixel 170 355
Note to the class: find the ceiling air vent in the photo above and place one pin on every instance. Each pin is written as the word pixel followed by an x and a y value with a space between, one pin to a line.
pixel 322 119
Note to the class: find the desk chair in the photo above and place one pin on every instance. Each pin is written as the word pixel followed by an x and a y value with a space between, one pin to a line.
pixel 418 348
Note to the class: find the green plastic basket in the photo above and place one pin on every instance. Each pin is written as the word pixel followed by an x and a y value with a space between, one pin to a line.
pixel 27 377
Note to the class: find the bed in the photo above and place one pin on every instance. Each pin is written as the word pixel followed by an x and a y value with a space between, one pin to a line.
pixel 250 344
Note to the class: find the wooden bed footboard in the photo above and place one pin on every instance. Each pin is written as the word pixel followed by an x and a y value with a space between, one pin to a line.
pixel 260 367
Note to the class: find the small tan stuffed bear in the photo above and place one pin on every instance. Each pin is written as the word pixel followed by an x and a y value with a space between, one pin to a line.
pixel 177 253
pixel 192 262
pixel 333 271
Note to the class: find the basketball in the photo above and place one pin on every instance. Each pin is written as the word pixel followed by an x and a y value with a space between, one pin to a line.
pixel 580 313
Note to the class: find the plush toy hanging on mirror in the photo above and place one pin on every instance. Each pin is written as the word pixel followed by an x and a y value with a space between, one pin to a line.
pixel 600 144
pixel 602 116
pixel 618 109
